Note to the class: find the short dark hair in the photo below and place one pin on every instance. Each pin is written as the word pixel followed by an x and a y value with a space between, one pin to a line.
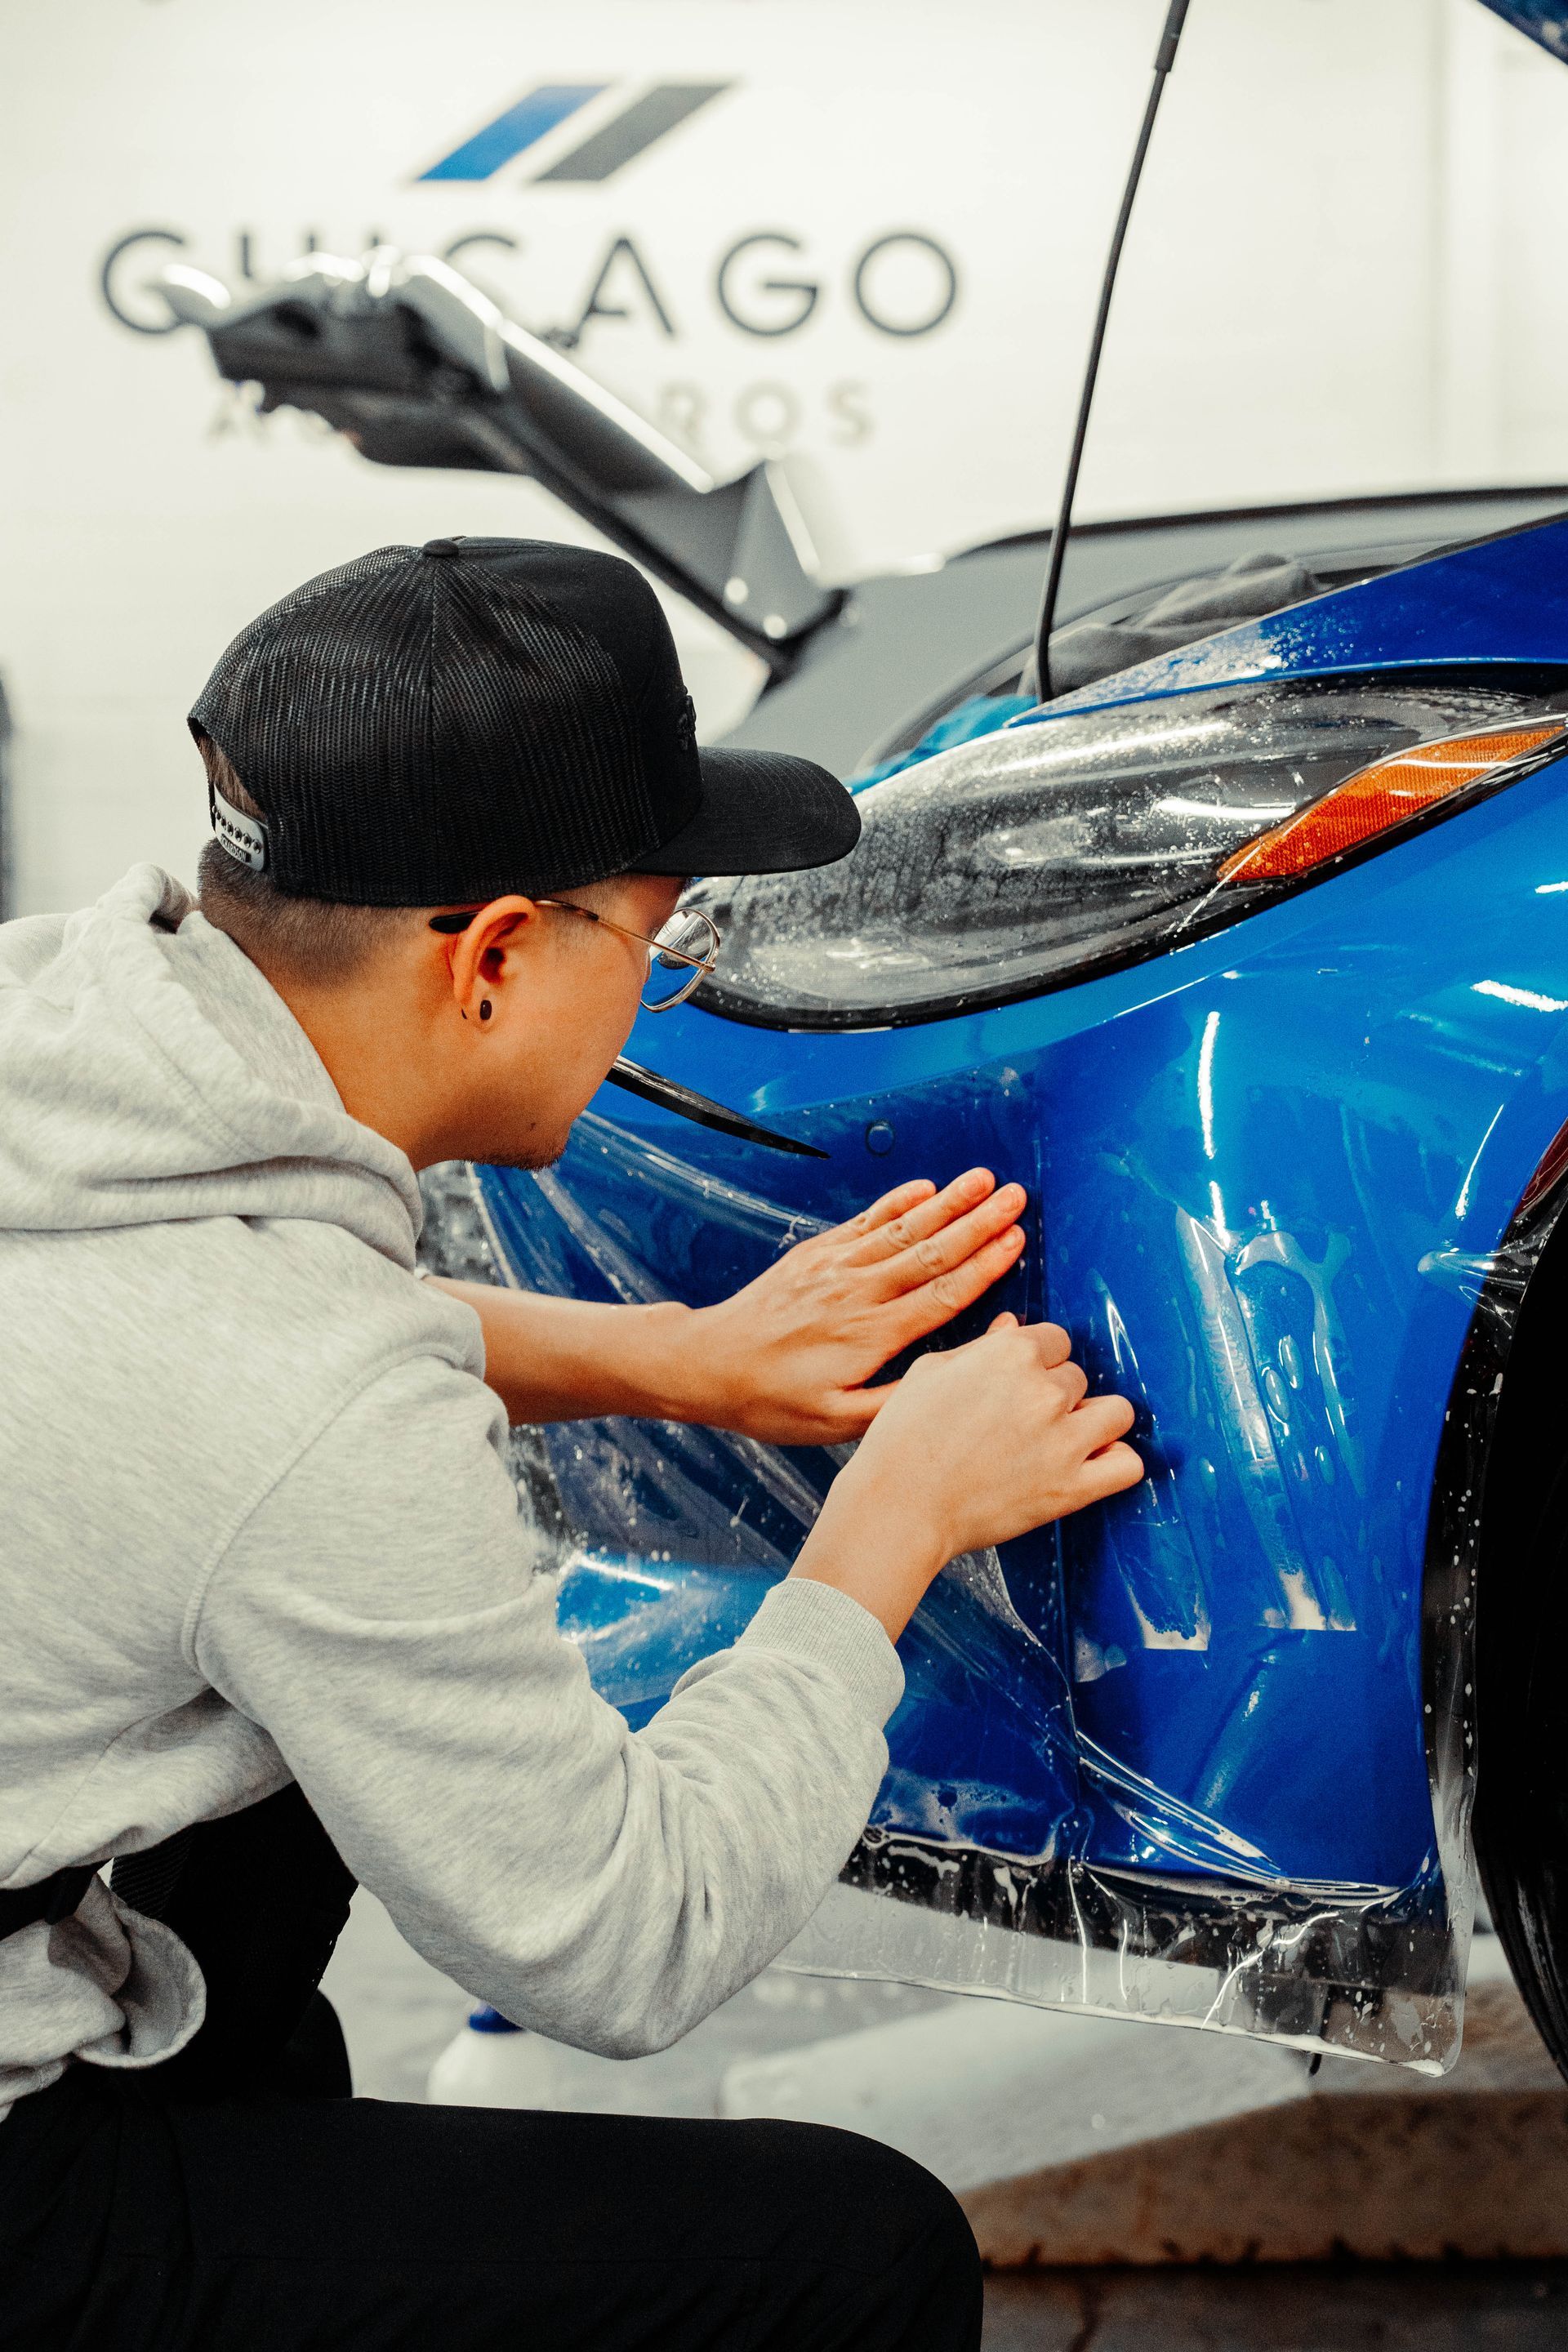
pixel 306 938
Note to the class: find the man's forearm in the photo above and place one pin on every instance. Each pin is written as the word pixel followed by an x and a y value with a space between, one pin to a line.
pixel 792 1359
pixel 568 1360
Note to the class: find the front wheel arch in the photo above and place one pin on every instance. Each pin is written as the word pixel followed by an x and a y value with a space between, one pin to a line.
pixel 1519 1714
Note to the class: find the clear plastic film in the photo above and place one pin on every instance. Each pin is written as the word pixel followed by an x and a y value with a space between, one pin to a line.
pixel 1011 1850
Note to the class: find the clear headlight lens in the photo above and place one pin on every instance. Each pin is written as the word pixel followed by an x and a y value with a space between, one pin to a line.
pixel 1034 857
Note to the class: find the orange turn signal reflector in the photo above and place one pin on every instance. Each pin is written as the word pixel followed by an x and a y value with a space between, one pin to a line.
pixel 1390 793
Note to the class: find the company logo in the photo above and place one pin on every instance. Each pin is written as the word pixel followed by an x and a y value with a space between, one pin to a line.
pixel 631 130
pixel 766 284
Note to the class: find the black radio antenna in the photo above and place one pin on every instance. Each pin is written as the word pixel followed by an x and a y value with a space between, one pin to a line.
pixel 1164 58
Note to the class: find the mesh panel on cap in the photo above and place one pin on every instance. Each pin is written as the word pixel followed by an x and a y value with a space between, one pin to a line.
pixel 521 691
pixel 420 733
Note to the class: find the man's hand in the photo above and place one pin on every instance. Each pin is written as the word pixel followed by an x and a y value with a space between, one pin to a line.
pixel 975 1448
pixel 788 1358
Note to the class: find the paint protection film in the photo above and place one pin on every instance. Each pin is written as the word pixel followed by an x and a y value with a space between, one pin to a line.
pixel 1023 1842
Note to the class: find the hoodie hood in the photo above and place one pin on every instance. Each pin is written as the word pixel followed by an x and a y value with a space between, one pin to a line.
pixel 148 1072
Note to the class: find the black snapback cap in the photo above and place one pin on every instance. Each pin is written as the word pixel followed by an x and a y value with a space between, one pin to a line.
pixel 439 725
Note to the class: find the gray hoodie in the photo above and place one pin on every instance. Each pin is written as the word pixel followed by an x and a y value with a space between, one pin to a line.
pixel 255 1524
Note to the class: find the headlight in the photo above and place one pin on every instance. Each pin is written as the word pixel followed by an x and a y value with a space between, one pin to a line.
pixel 1034 856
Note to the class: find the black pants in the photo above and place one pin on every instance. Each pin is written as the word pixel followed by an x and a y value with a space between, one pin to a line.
pixel 131 2220
pixel 155 2212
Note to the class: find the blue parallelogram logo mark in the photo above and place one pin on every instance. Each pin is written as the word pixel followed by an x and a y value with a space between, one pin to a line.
pixel 500 141
pixel 641 119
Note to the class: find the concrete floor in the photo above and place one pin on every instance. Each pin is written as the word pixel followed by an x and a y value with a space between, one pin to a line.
pixel 399 2013
pixel 1515 2308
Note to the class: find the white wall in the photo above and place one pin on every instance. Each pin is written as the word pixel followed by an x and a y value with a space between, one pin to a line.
pixel 1345 273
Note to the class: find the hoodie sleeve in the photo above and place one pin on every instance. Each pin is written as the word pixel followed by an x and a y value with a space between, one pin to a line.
pixel 383 1615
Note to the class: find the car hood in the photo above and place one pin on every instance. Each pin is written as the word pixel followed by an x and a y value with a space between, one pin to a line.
pixel 1500 600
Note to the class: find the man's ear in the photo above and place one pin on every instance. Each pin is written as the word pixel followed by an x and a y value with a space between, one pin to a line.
pixel 478 955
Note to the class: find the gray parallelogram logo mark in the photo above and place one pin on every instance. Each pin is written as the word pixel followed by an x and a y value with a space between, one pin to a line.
pixel 645 117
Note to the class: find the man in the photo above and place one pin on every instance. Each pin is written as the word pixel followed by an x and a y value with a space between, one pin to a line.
pixel 259 1546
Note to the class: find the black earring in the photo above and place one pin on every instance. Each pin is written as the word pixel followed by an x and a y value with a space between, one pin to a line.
pixel 484 1009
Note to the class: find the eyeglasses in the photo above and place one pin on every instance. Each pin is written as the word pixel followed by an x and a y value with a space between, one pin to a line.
pixel 689 940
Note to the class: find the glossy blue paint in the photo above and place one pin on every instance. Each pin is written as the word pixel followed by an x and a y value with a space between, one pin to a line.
pixel 1266 1172
pixel 1239 1182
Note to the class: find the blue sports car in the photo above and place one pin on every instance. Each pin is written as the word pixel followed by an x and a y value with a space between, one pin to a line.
pixel 1252 963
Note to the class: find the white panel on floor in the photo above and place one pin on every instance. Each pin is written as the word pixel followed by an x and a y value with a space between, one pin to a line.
pixel 984 2090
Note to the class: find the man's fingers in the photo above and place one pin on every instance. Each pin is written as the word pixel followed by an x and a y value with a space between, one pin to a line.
pixel 1101 1419
pixel 892 1204
pixel 932 1255
pixel 917 1220
pixel 936 1302
pixel 1111 1471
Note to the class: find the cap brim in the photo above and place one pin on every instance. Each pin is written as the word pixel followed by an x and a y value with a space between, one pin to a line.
pixel 762 812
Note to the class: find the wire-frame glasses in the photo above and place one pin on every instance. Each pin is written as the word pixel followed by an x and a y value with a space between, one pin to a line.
pixel 688 943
